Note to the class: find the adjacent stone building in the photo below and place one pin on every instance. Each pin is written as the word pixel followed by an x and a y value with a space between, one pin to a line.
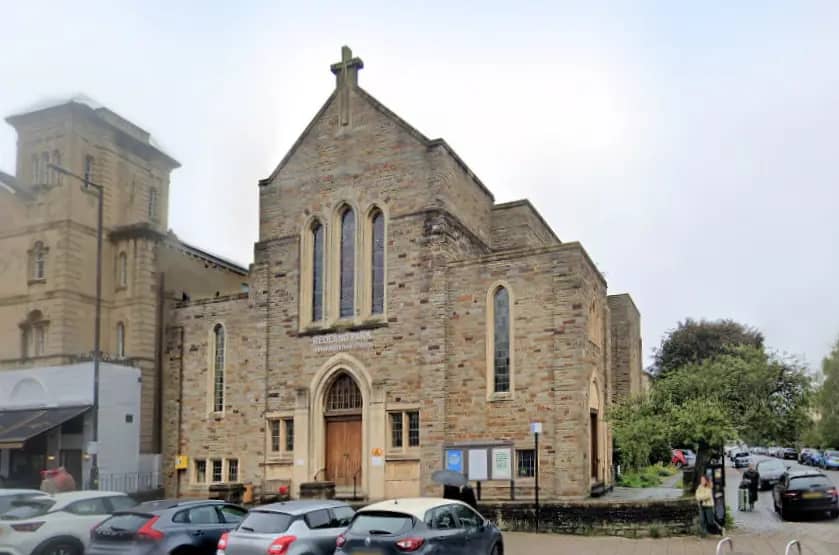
pixel 48 229
pixel 398 321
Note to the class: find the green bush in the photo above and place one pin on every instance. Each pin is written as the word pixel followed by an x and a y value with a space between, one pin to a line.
pixel 646 477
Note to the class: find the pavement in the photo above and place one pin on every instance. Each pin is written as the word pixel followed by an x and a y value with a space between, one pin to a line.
pixel 759 532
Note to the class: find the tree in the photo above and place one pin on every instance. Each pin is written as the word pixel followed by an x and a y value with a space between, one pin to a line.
pixel 692 342
pixel 827 401
pixel 742 393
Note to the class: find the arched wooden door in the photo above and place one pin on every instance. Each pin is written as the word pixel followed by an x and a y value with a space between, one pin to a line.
pixel 343 431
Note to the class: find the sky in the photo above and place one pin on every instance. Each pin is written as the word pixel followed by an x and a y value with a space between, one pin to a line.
pixel 691 147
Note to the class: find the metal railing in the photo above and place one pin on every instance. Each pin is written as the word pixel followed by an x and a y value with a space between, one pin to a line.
pixel 129 482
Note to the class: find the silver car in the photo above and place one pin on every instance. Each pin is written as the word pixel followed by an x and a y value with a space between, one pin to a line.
pixel 289 528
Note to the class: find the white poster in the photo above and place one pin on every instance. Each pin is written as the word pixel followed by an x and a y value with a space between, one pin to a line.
pixel 478 464
pixel 502 464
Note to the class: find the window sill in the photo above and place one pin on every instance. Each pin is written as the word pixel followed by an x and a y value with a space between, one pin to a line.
pixel 500 396
pixel 342 326
pixel 34 281
pixel 285 460
pixel 397 456
pixel 120 288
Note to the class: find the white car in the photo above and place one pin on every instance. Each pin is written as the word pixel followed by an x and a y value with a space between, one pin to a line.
pixel 59 524
pixel 8 497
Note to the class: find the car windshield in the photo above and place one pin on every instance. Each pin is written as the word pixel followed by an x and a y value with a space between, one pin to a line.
pixel 831 453
pixel 266 522
pixel 28 508
pixel 805 482
pixel 741 455
pixel 381 523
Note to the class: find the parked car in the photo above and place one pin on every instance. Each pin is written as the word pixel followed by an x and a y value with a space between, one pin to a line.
pixel 742 459
pixel 770 472
pixel 422 526
pixel 802 455
pixel 789 453
pixel 829 460
pixel 805 491
pixel 162 527
pixel 8 497
pixel 289 528
pixel 683 458
pixel 59 524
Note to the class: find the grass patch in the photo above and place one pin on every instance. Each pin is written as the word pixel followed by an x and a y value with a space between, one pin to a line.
pixel 647 477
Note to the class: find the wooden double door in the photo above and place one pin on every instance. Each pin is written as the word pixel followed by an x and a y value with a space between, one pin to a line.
pixel 343 450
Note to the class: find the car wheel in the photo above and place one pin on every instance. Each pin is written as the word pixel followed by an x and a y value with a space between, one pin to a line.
pixel 834 514
pixel 61 547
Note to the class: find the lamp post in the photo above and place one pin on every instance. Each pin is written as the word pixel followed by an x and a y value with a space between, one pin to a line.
pixel 94 466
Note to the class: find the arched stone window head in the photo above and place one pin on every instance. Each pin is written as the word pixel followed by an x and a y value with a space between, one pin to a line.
pixel 343 396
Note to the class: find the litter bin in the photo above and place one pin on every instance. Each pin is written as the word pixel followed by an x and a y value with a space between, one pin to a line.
pixel 231 493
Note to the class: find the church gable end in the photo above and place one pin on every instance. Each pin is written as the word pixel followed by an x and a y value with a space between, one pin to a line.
pixel 357 150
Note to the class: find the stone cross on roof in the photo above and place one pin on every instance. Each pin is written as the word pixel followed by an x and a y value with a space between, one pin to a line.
pixel 346 73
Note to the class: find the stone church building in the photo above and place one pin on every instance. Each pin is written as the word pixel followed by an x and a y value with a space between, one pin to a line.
pixel 398 321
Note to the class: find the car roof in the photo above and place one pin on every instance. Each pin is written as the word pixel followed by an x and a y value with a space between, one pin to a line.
pixel 161 505
pixel 414 506
pixel 18 491
pixel 300 507
pixel 67 497
pixel 805 473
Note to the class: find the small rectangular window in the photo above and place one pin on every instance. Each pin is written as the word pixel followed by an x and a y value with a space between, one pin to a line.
pixel 233 470
pixel 217 474
pixel 526 463
pixel 275 435
pixel 396 429
pixel 200 471
pixel 289 435
pixel 413 429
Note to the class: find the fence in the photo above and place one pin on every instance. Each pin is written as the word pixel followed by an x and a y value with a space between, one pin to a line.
pixel 129 482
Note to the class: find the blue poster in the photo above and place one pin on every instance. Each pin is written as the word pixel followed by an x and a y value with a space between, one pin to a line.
pixel 454 460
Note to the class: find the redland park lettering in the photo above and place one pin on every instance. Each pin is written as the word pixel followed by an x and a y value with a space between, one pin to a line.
pixel 342 341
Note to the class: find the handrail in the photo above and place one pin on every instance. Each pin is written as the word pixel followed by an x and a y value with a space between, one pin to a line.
pixel 722 542
pixel 315 477
pixel 796 543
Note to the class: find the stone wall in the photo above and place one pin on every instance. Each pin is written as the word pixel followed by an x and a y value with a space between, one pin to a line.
pixel 632 519
pixel 626 346
pixel 517 225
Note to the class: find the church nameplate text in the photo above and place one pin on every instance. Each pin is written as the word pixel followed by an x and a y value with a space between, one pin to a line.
pixel 349 341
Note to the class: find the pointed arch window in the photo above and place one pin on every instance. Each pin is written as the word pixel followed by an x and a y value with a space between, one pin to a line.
pixel 121 340
pixel 501 340
pixel 343 396
pixel 122 270
pixel 39 261
pixel 377 270
pixel 317 271
pixel 218 367
pixel 347 264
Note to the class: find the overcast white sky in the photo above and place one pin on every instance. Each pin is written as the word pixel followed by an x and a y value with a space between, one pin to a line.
pixel 692 150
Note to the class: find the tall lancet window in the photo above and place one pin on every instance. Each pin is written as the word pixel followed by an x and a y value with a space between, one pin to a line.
pixel 317 272
pixel 501 336
pixel 378 264
pixel 347 280
pixel 218 368
pixel 120 340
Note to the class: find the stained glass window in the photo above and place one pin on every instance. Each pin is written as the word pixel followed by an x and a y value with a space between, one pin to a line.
pixel 347 264
pixel 218 369
pixel 344 395
pixel 378 264
pixel 317 272
pixel 502 340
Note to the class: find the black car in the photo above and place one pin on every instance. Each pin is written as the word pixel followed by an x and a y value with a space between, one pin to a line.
pixel 805 491
pixel 161 527
pixel 421 526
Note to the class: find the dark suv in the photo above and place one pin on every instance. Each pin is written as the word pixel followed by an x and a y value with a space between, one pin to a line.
pixel 789 453
pixel 161 527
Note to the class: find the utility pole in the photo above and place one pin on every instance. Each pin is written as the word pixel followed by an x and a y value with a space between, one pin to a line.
pixel 88 184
